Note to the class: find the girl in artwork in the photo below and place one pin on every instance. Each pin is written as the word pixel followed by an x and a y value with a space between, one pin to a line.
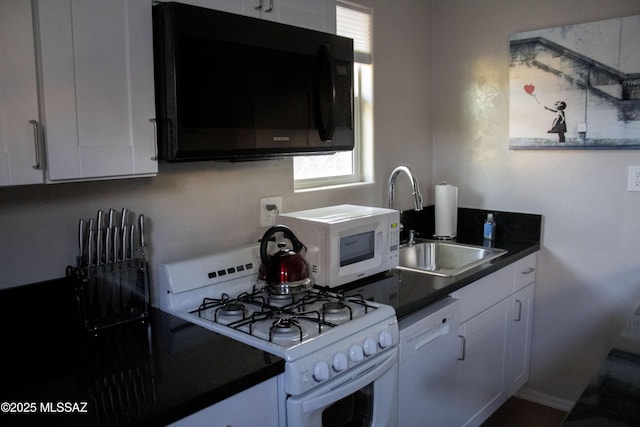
pixel 559 124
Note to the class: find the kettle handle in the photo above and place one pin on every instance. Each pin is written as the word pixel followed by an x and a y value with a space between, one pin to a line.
pixel 297 244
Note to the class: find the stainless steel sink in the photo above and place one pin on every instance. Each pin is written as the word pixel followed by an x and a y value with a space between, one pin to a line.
pixel 444 258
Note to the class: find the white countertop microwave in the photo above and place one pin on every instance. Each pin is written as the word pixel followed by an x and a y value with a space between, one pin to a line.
pixel 346 242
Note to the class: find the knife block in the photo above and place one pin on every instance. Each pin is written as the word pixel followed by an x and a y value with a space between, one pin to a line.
pixel 111 294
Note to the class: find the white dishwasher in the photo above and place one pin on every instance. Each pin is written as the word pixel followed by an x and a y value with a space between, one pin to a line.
pixel 428 354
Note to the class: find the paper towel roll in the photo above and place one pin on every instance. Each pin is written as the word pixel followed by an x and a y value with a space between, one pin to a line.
pixel 446 208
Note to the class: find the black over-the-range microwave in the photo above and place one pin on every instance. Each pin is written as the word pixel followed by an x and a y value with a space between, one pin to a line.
pixel 231 87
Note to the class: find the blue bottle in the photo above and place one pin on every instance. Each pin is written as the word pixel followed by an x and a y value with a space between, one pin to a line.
pixel 489 232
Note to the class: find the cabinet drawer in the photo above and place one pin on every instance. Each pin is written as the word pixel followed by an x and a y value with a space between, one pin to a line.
pixel 525 272
pixel 483 293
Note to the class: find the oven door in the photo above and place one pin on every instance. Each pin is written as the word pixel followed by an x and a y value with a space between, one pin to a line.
pixel 365 396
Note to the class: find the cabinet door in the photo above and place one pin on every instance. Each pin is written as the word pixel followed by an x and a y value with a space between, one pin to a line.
pixel 480 385
pixel 97 88
pixel 317 15
pixel 18 96
pixel 520 321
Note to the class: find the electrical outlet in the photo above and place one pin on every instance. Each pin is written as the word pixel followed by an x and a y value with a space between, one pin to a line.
pixel 633 327
pixel 634 178
pixel 269 208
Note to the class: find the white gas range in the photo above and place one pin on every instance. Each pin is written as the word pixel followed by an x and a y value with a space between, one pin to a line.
pixel 321 335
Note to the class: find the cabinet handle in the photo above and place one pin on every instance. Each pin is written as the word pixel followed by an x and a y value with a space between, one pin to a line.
pixel 155 139
pixel 259 5
pixel 529 271
pixel 518 311
pixel 463 348
pixel 36 142
pixel 270 7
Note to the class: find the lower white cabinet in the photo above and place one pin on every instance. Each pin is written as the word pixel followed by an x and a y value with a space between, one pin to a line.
pixel 481 369
pixel 519 337
pixel 235 411
pixel 496 314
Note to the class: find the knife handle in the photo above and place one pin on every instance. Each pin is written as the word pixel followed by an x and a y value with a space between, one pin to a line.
pixel 141 225
pixel 112 218
pixel 123 217
pixel 107 246
pixel 132 230
pixel 123 242
pixel 99 246
pixel 90 242
pixel 100 219
pixel 90 247
pixel 116 243
pixel 81 239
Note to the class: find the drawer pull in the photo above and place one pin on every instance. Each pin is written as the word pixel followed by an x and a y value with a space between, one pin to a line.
pixel 518 316
pixel 36 142
pixel 529 271
pixel 463 347
pixel 154 123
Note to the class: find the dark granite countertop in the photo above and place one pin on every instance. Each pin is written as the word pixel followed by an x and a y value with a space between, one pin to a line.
pixel 138 373
pixel 612 397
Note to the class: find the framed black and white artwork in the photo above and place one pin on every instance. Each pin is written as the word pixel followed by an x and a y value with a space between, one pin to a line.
pixel 576 86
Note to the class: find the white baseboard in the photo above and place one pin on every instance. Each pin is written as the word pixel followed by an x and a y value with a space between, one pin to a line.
pixel 545 399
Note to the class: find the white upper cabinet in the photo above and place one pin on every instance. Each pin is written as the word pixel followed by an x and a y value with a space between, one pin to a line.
pixel 97 93
pixel 19 150
pixel 317 15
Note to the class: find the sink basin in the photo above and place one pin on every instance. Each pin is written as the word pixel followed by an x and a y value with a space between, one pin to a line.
pixel 444 258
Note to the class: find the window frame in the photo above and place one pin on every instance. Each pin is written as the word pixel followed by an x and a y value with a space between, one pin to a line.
pixel 362 153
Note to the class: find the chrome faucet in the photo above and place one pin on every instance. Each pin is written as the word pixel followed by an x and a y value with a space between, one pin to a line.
pixel 417 197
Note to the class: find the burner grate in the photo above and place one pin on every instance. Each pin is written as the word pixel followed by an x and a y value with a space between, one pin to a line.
pixel 292 315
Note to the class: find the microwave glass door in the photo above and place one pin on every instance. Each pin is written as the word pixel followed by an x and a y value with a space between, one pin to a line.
pixel 357 247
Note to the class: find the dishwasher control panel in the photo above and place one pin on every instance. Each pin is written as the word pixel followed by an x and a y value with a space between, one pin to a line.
pixel 428 325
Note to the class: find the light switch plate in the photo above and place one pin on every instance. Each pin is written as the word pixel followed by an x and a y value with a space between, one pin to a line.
pixel 634 178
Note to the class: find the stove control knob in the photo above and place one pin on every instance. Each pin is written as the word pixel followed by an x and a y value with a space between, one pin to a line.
pixel 340 362
pixel 385 339
pixel 370 346
pixel 321 371
pixel 355 353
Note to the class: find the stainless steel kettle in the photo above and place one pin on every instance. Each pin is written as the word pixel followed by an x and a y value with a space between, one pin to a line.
pixel 285 271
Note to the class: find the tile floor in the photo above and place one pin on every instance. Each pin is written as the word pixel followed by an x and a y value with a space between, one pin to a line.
pixel 522 413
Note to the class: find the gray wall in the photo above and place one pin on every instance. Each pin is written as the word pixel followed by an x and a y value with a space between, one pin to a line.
pixel 588 277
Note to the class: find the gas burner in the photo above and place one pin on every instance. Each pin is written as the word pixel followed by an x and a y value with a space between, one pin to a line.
pixel 230 312
pixel 232 309
pixel 334 307
pixel 280 300
pixel 336 312
pixel 285 327
pixel 285 323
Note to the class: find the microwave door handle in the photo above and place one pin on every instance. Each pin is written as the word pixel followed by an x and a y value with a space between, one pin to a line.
pixel 327 65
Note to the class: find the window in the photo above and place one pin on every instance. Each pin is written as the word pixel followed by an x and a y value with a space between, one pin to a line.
pixel 349 166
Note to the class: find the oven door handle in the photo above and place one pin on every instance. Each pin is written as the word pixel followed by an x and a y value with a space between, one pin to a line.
pixel 356 381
